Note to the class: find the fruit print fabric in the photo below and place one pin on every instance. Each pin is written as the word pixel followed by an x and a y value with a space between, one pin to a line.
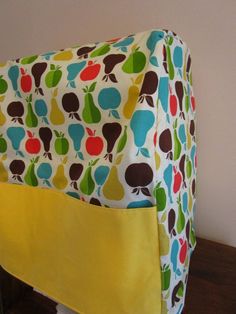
pixel 111 123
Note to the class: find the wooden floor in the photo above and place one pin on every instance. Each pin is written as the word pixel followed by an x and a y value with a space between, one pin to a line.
pixel 211 285
pixel 212 281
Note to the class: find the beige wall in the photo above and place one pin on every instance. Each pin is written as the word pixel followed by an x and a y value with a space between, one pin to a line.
pixel 208 27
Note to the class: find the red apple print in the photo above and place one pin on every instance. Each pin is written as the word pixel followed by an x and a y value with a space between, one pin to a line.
pixel 90 72
pixel 113 40
pixel 94 144
pixel 177 180
pixel 32 144
pixel 173 103
pixel 193 103
pixel 155 139
pixel 183 251
pixel 25 81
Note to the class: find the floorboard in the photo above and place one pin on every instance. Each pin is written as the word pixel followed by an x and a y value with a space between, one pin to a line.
pixel 212 279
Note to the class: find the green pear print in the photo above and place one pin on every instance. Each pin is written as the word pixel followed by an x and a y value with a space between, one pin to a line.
pixel 3 85
pixel 31 119
pixel 91 113
pixel 181 217
pixel 122 141
pixel 177 143
pixel 192 235
pixel 29 59
pixel 188 167
pixel 186 99
pixel 171 71
pixel 100 51
pixel 3 144
pixel 30 177
pixel 87 184
pixel 165 277
pixel 160 195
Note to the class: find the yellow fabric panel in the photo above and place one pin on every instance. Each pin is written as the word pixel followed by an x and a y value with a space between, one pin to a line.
pixel 95 260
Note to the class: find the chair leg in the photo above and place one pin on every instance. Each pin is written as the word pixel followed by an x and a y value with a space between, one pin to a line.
pixel 11 290
pixel 1 305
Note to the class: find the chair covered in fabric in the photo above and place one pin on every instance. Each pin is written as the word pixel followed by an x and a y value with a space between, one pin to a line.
pixel 98 173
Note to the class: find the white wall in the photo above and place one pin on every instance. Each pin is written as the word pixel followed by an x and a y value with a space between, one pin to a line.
pixel 208 27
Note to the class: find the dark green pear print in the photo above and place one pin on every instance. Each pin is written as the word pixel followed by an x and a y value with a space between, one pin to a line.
pixel 31 119
pixel 3 144
pixel 166 274
pixel 28 60
pixel 122 141
pixel 100 51
pixel 160 195
pixel 171 71
pixel 3 85
pixel 91 113
pixel 188 167
pixel 87 184
pixel 177 143
pixel 30 176
pixel 181 217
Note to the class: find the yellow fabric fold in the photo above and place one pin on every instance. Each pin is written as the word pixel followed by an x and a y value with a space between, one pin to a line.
pixel 95 260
